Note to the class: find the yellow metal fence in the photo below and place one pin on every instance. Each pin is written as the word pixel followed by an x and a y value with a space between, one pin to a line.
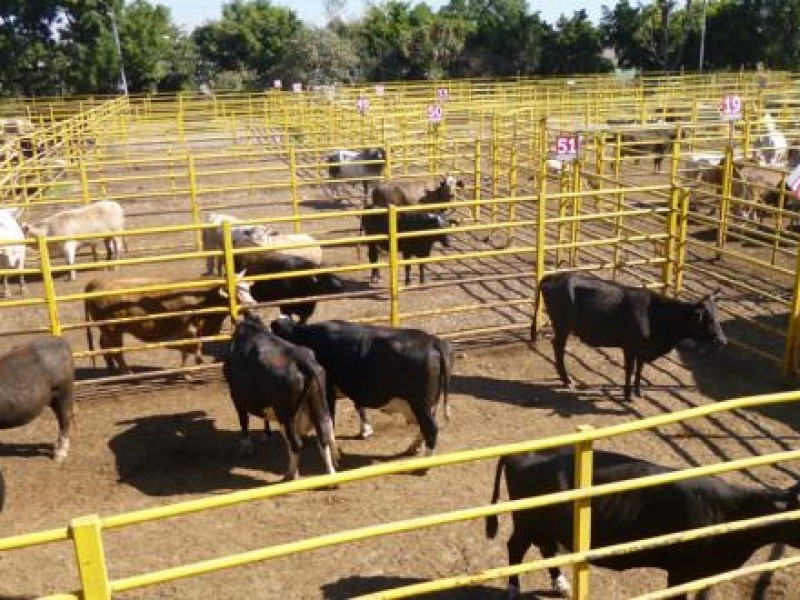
pixel 87 532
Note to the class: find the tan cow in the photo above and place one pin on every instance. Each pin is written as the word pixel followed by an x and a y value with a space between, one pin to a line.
pixel 105 218
pixel 124 305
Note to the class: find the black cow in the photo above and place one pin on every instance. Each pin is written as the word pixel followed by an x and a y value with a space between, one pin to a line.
pixel 34 376
pixel 638 514
pixel 416 247
pixel 376 366
pixel 349 164
pixel 290 287
pixel 266 373
pixel 606 314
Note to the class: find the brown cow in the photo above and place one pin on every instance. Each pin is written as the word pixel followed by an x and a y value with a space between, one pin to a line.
pixel 654 143
pixel 144 304
pixel 408 193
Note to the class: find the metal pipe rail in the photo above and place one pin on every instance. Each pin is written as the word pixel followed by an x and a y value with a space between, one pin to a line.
pixel 87 532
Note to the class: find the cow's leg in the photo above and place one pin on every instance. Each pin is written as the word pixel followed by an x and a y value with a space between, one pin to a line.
pixel 428 430
pixel 637 382
pixel 365 428
pixel 245 443
pixel 408 275
pixel 6 291
pixel 372 255
pixel 630 360
pixel 211 265
pixel 558 581
pixel 23 288
pixel 62 406
pixel 559 348
pixel 109 244
pixel 517 547
pixel 294 444
pixel 70 248
pixel 115 361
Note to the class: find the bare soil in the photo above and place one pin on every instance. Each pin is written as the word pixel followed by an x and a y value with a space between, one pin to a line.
pixel 155 443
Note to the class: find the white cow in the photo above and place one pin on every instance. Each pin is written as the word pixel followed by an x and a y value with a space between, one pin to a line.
pixel 264 237
pixel 773 147
pixel 11 256
pixel 104 218
pixel 212 238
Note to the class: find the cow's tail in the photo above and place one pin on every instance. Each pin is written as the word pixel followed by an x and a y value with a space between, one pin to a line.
pixel 445 371
pixel 318 411
pixel 492 520
pixel 89 341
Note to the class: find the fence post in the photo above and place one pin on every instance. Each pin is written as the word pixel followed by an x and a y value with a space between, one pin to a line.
pixel 476 209
pixel 49 288
pixel 541 218
pixel 495 145
pixel 582 516
pixel 722 232
pixel 512 192
pixel 668 271
pixel 394 285
pixel 88 541
pixel 230 270
pixel 790 353
pixel 196 216
pixel 577 202
pixel 293 184
pixel 84 183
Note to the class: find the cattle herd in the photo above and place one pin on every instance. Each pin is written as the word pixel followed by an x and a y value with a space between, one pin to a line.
pixel 293 372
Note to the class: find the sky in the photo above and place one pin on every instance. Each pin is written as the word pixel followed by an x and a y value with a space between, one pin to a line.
pixel 191 13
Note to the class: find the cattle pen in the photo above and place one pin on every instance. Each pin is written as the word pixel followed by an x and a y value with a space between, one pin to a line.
pixel 170 160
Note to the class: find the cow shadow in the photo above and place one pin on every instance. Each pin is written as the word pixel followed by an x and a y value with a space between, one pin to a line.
pixel 357 585
pixel 330 204
pixel 560 401
pixel 27 450
pixel 166 455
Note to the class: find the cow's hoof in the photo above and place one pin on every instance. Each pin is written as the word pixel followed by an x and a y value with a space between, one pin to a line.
pixel 246 449
pixel 561 586
pixel 366 431
pixel 291 476
pixel 60 455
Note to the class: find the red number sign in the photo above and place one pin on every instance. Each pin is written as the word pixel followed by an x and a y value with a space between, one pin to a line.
pixel 362 104
pixel 435 113
pixel 566 147
pixel 379 89
pixel 731 107
pixel 277 84
pixel 442 93
pixel 297 87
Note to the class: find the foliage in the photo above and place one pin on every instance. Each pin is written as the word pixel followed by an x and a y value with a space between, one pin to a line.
pixel 318 56
pixel 67 46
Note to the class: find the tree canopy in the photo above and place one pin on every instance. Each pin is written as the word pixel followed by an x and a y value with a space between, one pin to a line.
pixel 68 46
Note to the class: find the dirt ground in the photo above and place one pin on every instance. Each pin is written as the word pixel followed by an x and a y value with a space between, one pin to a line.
pixel 154 444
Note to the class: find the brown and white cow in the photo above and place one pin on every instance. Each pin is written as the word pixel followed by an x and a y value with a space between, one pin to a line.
pixel 140 305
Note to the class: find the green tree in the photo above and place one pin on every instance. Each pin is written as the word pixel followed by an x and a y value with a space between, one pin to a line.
pixel 318 56
pixel 249 39
pixel 33 58
pixel 575 46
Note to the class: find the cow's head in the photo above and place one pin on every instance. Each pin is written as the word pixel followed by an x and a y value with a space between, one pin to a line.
pixel 283 327
pixel 708 328
pixel 450 188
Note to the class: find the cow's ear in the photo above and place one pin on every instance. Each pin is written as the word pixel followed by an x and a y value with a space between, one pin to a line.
pixel 223 292
pixel 241 274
